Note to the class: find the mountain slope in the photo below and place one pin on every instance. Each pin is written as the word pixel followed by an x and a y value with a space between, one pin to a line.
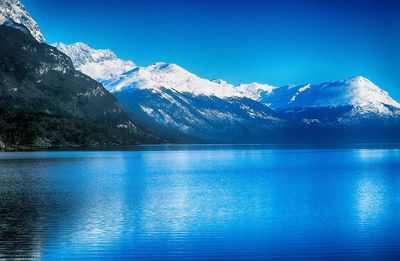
pixel 183 107
pixel 45 102
pixel 357 92
pixel 13 13
pixel 184 117
pixel 352 110
pixel 173 77
pixel 101 65
pixel 125 75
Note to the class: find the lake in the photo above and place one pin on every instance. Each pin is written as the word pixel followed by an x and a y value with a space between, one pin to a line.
pixel 201 203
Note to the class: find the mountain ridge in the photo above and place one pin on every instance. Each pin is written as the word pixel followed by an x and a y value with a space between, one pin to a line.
pixel 100 64
pixel 13 13
pixel 355 91
pixel 161 74
pixel 178 105
pixel 46 104
pixel 347 110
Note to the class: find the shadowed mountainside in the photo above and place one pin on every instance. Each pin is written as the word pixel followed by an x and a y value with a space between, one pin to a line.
pixel 46 103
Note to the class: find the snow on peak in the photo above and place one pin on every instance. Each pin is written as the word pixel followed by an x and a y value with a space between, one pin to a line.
pixel 219 81
pixel 165 66
pixel 364 94
pixel 174 77
pixel 13 13
pixel 99 64
pixel 170 76
pixel 81 53
pixel 118 75
pixel 358 92
pixel 255 90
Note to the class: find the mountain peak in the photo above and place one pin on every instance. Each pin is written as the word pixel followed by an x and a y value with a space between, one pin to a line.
pixel 170 67
pixel 255 90
pixel 357 92
pixel 219 81
pixel 358 78
pixel 118 75
pixel 173 77
pixel 13 12
pixel 359 81
pixel 100 64
pixel 83 53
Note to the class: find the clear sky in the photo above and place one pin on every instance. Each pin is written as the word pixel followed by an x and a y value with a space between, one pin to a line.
pixel 275 42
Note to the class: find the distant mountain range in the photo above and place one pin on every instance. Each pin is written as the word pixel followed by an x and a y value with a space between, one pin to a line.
pixel 179 106
pixel 175 103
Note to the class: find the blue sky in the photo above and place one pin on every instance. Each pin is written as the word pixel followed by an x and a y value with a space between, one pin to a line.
pixel 275 42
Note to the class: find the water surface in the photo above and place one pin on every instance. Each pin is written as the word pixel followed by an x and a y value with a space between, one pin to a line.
pixel 200 202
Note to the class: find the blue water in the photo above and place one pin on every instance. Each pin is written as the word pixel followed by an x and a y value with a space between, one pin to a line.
pixel 201 203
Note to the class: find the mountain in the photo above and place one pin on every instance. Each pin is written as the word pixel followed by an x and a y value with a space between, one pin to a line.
pixel 13 13
pixel 181 106
pixel 126 75
pixel 359 93
pixel 54 97
pixel 172 77
pixel 101 65
pixel 185 117
pixel 255 91
pixel 352 110
pixel 46 103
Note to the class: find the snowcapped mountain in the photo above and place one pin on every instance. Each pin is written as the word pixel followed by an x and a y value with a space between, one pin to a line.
pixel 179 105
pixel 356 92
pixel 101 65
pixel 118 75
pixel 255 90
pixel 173 77
pixel 168 100
pixel 13 13
pixel 352 110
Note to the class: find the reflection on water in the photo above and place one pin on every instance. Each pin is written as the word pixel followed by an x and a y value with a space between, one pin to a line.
pixel 370 199
pixel 200 203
